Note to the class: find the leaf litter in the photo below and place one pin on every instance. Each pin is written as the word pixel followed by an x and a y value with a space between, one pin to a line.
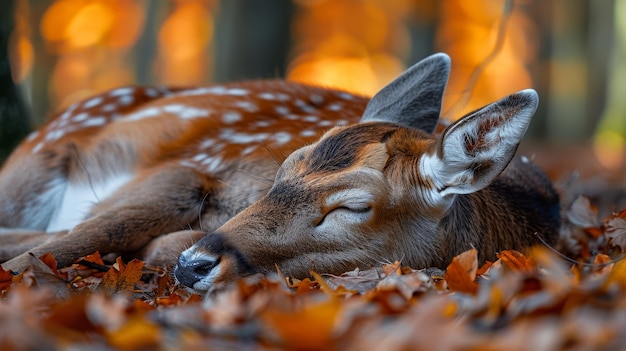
pixel 536 300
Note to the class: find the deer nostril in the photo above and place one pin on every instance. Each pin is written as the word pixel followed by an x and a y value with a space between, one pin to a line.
pixel 203 267
pixel 189 272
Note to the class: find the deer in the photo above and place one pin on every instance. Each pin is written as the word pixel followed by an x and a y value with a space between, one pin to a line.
pixel 226 181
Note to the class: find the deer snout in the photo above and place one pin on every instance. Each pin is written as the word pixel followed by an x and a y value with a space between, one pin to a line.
pixel 210 264
pixel 190 272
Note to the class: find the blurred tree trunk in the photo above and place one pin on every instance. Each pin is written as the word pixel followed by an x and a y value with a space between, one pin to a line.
pixel 252 39
pixel 14 122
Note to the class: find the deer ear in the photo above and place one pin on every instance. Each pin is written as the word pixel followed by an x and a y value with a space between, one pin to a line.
pixel 414 98
pixel 472 152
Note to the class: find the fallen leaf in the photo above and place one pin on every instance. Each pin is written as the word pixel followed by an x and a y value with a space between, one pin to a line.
pixel 461 272
pixel 136 334
pixel 307 327
pixel 616 230
pixel 40 273
pixel 6 279
pixel 516 261
pixel 122 280
pixel 583 213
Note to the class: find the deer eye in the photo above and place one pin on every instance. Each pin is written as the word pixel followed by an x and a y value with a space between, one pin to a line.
pixel 352 213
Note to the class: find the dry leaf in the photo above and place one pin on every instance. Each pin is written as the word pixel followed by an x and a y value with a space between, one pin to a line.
pixel 616 230
pixel 461 272
pixel 122 280
pixel 516 261
pixel 582 213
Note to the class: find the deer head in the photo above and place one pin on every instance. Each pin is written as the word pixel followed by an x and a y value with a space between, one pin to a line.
pixel 372 192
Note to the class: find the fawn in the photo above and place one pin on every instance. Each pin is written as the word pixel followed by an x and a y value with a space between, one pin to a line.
pixel 151 171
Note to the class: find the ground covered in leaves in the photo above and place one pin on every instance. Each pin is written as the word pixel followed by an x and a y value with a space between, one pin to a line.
pixel 533 301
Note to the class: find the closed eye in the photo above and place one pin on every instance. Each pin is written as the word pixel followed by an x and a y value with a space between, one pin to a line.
pixel 365 208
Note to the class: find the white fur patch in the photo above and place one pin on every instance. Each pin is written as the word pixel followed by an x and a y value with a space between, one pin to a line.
pixel 78 199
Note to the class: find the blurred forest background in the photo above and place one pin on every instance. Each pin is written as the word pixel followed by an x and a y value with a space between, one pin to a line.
pixel 573 52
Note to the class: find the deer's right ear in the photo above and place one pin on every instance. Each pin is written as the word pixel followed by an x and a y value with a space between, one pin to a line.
pixel 473 151
pixel 414 98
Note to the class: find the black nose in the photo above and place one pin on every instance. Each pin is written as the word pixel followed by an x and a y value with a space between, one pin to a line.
pixel 190 272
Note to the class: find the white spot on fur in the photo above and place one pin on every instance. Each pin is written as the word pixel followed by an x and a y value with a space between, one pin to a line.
pixel 142 114
pixel 126 100
pixel 263 124
pixel 336 106
pixel 207 143
pixel 242 138
pixel 247 151
pixel 231 117
pixel 212 164
pixel 282 110
pixel 305 107
pixel 247 106
pixel 215 90
pixel 282 138
pixel 80 117
pixel 66 115
pixel 308 133
pixel 200 157
pixel 187 112
pixel 54 135
pixel 310 118
pixel 33 135
pixel 109 108
pixel 345 96
pixel 267 96
pixel 151 92
pixel 37 147
pixel 95 122
pixel 121 91
pixel 93 102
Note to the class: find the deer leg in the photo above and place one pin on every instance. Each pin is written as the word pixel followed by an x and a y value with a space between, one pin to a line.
pixel 16 241
pixel 158 202
pixel 164 250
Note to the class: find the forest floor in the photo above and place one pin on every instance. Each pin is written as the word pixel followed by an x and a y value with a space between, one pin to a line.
pixel 543 299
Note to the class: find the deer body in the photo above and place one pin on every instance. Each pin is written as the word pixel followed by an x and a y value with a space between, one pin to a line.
pixel 379 186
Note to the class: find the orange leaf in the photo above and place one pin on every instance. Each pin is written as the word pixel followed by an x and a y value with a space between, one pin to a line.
pixel 516 261
pixel 138 333
pixel 310 327
pixel 461 272
pixel 123 279
pixel 95 258
pixel 6 278
pixel 49 261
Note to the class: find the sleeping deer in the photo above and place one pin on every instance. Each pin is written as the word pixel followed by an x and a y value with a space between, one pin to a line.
pixel 151 170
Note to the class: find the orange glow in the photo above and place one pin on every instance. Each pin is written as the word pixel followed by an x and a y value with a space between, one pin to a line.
pixel 21 51
pixel 183 42
pixel 469 32
pixel 609 147
pixel 57 16
pixel 353 45
pixel 89 25
pixel 24 57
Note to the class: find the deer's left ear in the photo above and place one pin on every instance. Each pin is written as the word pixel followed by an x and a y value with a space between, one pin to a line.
pixel 472 152
pixel 414 98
